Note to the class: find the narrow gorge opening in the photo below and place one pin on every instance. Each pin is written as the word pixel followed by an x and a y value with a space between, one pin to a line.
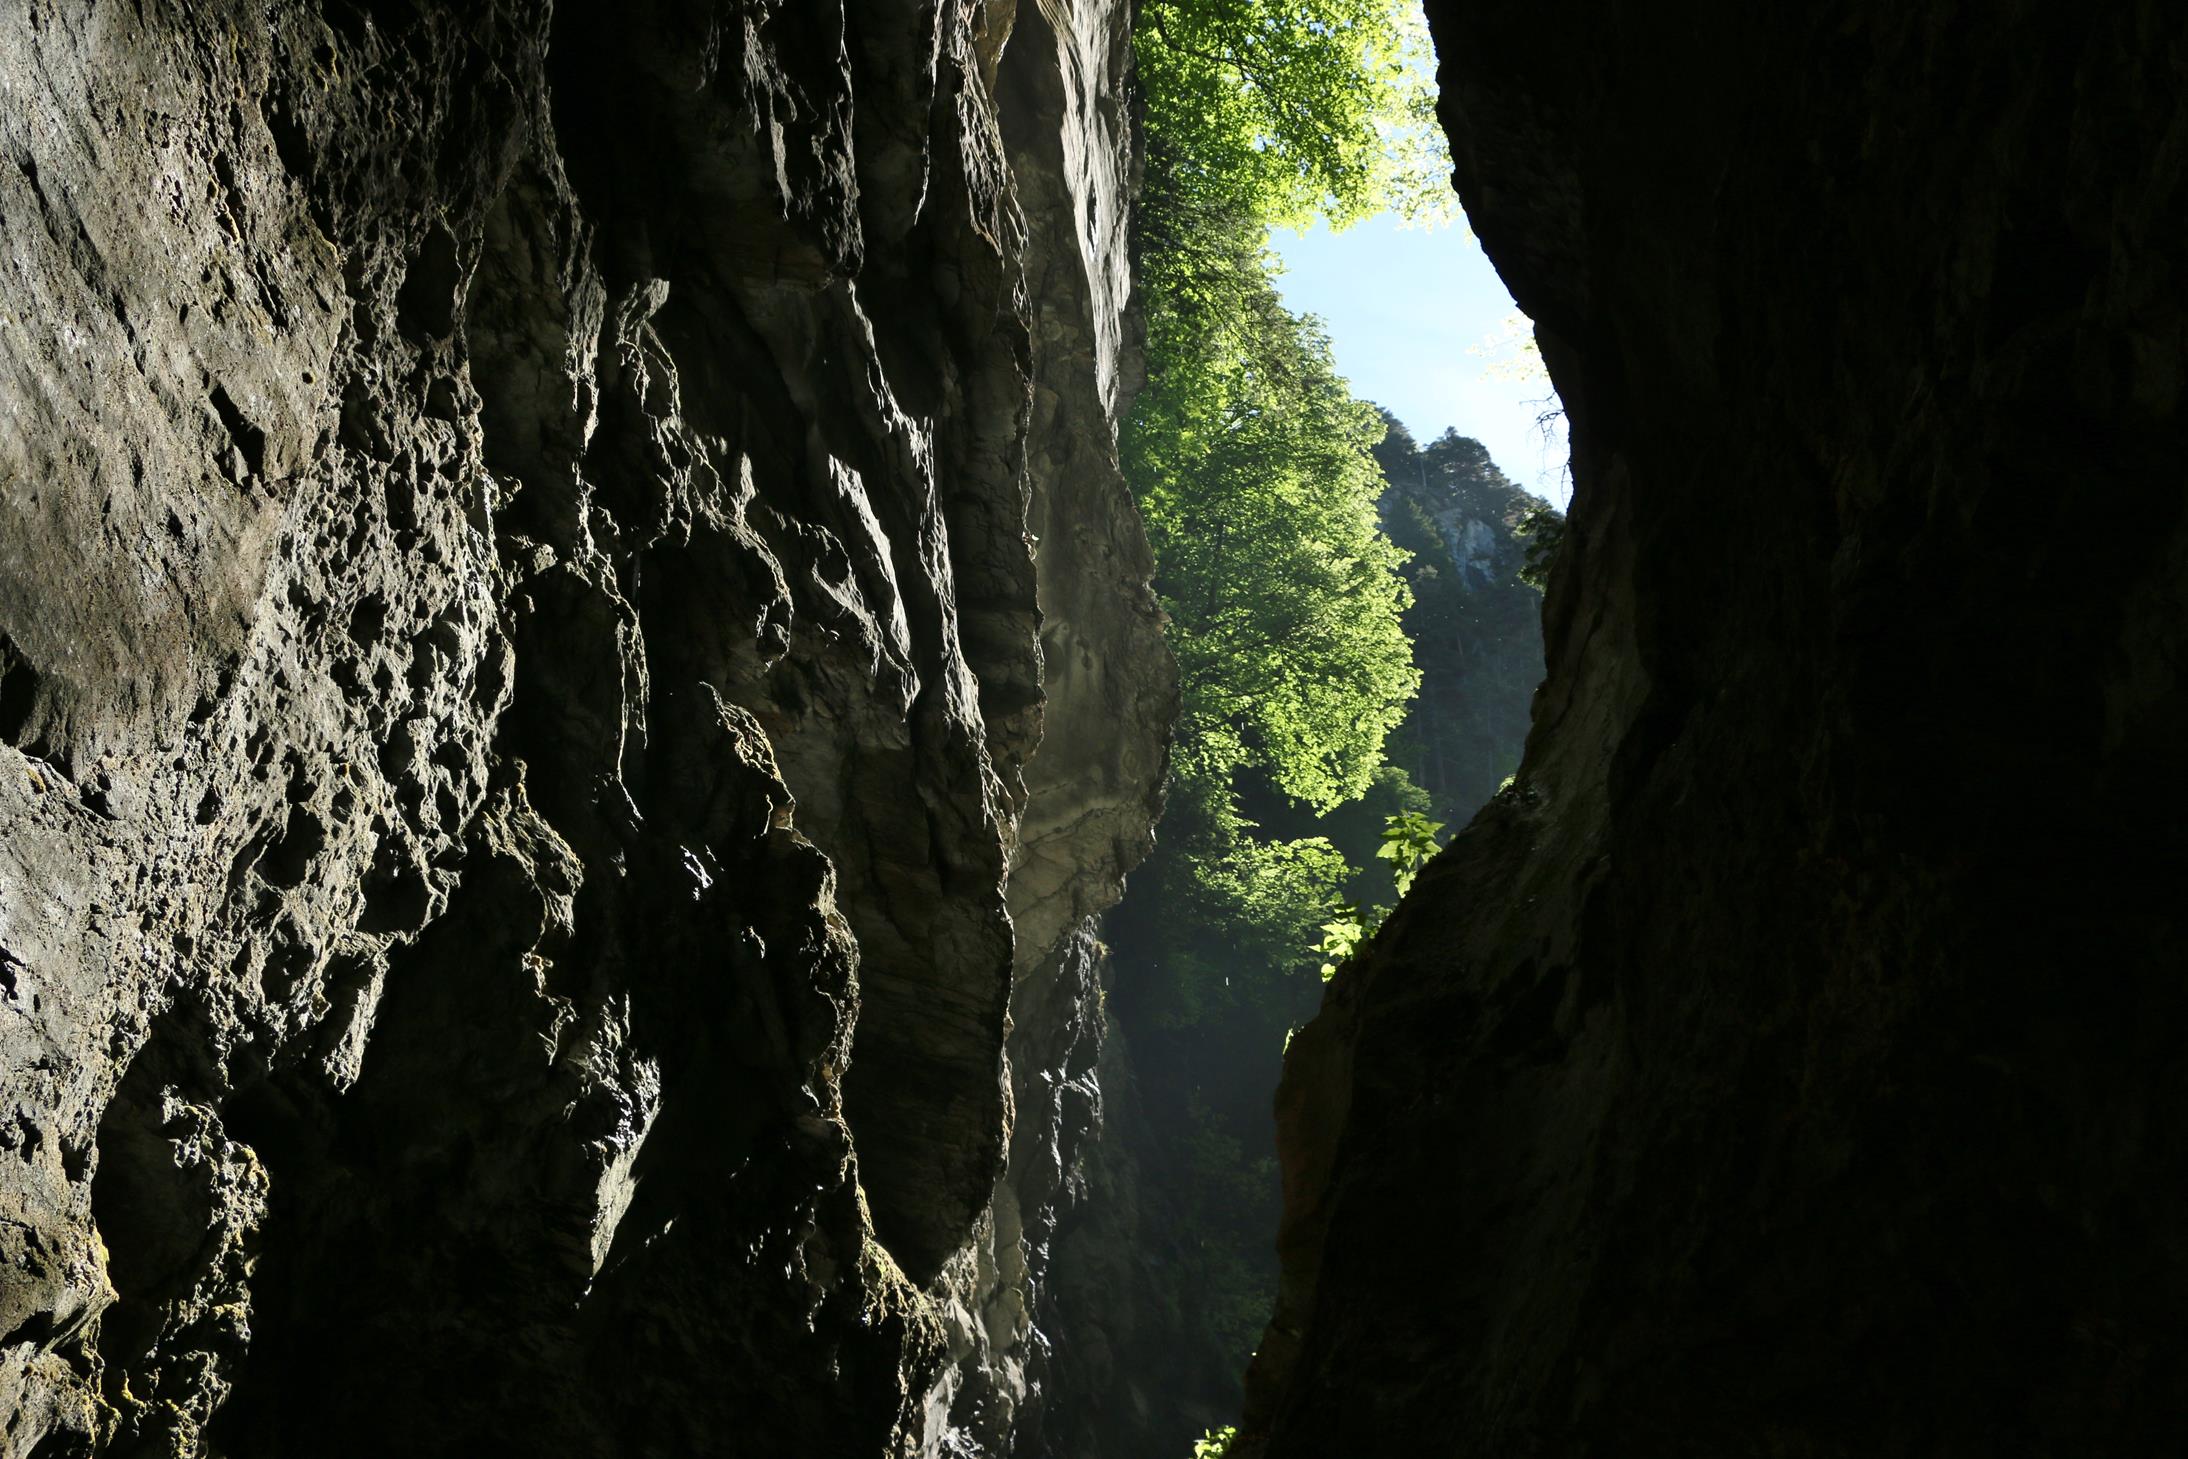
pixel 590 631
pixel 1353 469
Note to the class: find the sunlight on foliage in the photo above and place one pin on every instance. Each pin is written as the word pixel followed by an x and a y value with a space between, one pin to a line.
pixel 1214 1444
pixel 1285 109
pixel 1511 353
pixel 1409 842
pixel 1252 462
pixel 1340 940
pixel 1255 472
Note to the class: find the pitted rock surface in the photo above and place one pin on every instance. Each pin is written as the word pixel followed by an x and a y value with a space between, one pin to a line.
pixel 574 665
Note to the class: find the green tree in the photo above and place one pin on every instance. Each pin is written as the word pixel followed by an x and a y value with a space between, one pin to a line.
pixel 1409 842
pixel 1544 529
pixel 1280 110
pixel 1255 470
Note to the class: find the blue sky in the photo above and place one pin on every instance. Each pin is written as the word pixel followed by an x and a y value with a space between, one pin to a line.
pixel 1420 323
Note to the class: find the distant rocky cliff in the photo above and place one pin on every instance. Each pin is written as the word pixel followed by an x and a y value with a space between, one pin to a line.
pixel 575 667
pixel 1789 1063
pixel 1165 1275
pixel 1476 621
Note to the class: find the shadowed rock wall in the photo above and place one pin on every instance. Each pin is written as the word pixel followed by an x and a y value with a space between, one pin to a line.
pixel 1789 1063
pixel 574 655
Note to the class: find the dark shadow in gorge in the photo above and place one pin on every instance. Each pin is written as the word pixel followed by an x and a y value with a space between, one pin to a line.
pixel 1168 1274
pixel 1784 1066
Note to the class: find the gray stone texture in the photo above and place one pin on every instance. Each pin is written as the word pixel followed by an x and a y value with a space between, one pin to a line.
pixel 574 664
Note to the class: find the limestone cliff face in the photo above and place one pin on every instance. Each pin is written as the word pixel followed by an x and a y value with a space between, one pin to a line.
pixel 1476 623
pixel 575 666
pixel 1789 1064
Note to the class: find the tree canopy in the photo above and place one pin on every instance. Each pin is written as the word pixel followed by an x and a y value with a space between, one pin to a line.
pixel 1251 460
pixel 1254 467
pixel 1255 470
pixel 1285 109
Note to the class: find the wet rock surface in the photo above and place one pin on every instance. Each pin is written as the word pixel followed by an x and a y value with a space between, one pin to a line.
pixel 575 665
pixel 1785 1065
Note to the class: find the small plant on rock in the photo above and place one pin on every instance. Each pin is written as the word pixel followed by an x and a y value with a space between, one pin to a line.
pixel 1214 1444
pixel 1409 841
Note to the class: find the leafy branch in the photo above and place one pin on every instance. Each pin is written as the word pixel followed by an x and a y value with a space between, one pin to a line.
pixel 1409 842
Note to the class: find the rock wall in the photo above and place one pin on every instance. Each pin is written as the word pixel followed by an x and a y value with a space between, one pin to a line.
pixel 575 667
pixel 1787 1064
